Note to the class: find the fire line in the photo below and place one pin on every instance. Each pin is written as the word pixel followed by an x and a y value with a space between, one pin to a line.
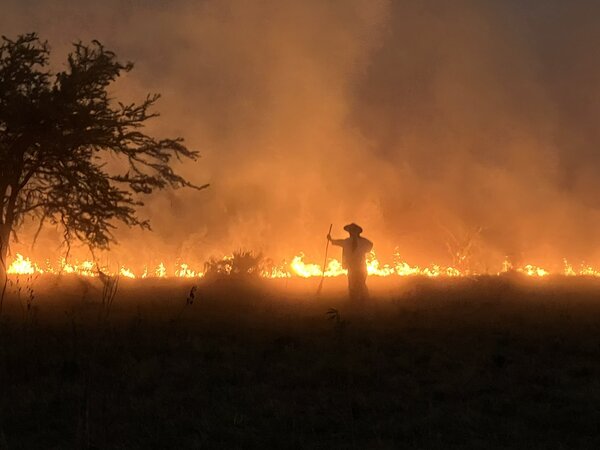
pixel 298 267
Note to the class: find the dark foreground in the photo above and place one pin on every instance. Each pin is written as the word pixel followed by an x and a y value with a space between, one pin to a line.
pixel 488 363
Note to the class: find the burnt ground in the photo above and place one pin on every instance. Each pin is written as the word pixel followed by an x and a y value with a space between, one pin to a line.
pixel 474 363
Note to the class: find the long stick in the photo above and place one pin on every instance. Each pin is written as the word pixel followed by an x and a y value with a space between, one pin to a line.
pixel 324 262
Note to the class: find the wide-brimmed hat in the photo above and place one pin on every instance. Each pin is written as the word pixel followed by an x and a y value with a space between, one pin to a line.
pixel 353 228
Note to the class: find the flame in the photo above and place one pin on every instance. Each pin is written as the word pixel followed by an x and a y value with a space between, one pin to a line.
pixel 85 269
pixel 183 271
pixel 584 270
pixel 161 271
pixel 298 267
pixel 533 271
pixel 125 272
pixel 276 272
pixel 23 266
pixel 306 270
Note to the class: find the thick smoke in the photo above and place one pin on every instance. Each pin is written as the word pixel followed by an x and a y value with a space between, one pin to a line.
pixel 428 123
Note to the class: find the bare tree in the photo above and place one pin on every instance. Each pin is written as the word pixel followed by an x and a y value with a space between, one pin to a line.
pixel 463 247
pixel 56 131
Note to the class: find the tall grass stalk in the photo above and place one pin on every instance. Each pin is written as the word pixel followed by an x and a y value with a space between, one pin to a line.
pixel 4 272
pixel 110 286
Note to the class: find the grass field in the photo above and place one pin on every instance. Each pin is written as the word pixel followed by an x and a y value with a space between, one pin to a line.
pixel 493 362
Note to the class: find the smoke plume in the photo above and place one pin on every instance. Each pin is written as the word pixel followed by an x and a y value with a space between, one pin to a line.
pixel 431 124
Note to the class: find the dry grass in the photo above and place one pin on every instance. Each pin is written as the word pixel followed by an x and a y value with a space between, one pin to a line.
pixel 486 363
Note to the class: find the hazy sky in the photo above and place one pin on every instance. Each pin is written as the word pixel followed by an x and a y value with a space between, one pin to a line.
pixel 420 120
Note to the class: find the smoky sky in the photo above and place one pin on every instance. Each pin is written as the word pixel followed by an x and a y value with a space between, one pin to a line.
pixel 427 122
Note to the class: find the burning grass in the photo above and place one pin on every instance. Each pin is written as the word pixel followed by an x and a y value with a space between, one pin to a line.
pixel 490 362
pixel 244 262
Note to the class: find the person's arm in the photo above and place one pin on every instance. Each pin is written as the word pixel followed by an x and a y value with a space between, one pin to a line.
pixel 338 242
pixel 368 245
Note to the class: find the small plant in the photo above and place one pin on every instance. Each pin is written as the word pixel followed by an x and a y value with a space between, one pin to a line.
pixel 246 263
pixel 30 309
pixel 191 296
pixel 16 286
pixel 110 285
pixel 339 324
pixel 189 301
pixel 333 314
pixel 242 263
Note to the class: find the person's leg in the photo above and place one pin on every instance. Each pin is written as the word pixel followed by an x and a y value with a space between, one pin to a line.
pixel 353 285
pixel 357 287
pixel 364 290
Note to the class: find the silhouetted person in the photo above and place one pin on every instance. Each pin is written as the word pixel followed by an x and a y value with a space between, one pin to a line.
pixel 354 250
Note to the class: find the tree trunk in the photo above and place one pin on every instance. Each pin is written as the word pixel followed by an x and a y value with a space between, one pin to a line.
pixel 4 236
pixel 7 221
